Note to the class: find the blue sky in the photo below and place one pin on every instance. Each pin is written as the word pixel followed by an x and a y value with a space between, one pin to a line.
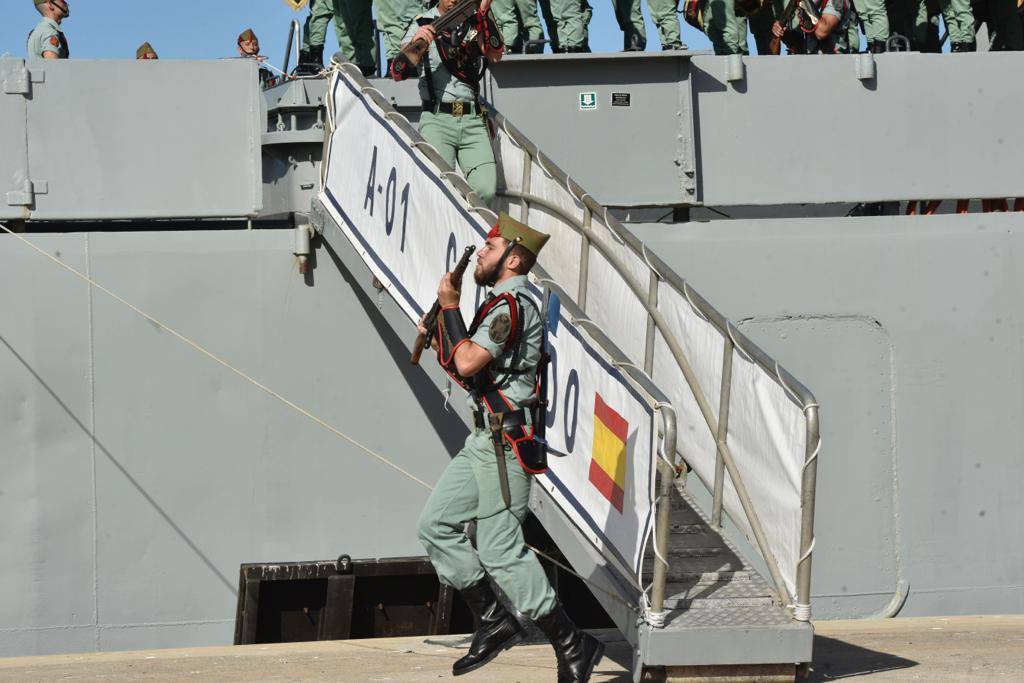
pixel 204 29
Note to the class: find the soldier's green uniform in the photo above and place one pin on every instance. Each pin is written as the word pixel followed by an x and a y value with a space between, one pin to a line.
pixel 470 490
pixel 47 37
pixel 572 19
pixel 910 18
pixel 460 134
pixel 518 22
pixel 631 21
pixel 875 17
pixel 727 32
pixel 352 25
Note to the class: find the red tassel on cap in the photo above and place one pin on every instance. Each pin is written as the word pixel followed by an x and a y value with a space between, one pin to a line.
pixel 495 231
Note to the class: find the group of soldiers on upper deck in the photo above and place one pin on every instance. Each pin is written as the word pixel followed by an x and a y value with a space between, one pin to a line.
pixel 804 26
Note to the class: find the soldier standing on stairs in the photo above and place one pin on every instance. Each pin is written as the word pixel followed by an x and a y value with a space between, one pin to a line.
pixel 499 359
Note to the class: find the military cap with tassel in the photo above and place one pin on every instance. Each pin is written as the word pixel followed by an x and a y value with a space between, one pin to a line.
pixel 512 230
pixel 245 35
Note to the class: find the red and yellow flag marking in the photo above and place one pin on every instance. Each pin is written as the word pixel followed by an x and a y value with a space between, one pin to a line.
pixel 608 457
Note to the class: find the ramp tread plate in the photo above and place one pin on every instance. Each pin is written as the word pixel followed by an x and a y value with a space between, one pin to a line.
pixel 751 616
pixel 719 590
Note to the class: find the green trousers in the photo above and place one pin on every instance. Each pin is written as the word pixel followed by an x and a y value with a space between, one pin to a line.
pixel 875 18
pixel 572 21
pixel 1005 25
pixel 727 32
pixel 517 19
pixel 469 490
pixel 464 139
pixel 910 18
pixel 393 19
pixel 353 25
pixel 631 21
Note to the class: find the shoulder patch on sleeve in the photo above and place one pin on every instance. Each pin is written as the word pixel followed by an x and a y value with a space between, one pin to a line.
pixel 499 328
pixel 54 41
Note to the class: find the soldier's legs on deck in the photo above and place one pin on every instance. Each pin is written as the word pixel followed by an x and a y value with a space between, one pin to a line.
pixel 528 17
pixel 631 21
pixel 569 19
pixel 476 156
pixel 761 24
pixel 315 32
pixel 507 19
pixel 353 24
pixel 727 32
pixel 959 20
pixel 665 18
pixel 876 19
pixel 393 18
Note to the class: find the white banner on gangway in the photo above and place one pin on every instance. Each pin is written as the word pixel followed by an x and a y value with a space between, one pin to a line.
pixel 410 226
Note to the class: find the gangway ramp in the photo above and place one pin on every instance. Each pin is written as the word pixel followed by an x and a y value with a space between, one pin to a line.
pixel 713 401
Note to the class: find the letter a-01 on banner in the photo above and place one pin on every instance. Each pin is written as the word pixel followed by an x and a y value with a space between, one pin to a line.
pixel 410 226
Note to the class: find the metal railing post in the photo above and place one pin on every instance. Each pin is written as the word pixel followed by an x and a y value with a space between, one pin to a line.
pixel 581 289
pixel 294 38
pixel 661 523
pixel 723 432
pixel 808 485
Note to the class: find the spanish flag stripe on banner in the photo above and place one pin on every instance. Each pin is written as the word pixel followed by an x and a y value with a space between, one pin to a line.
pixel 608 456
pixel 603 483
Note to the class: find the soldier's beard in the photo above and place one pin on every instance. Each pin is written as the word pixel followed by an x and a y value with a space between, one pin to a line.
pixel 485 277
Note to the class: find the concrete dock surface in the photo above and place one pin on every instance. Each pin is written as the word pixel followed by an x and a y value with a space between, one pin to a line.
pixel 983 648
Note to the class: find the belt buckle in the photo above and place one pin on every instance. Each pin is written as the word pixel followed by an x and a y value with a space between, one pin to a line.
pixel 457 108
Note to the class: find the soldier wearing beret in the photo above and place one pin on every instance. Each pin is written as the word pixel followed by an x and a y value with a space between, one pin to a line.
pixel 47 41
pixel 146 51
pixel 500 359
pixel 249 48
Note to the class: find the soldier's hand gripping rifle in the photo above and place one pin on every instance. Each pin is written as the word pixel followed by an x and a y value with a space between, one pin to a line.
pixel 412 54
pixel 430 319
pixel 775 45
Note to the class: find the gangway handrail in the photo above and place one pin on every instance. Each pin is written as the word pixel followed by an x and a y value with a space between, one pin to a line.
pixel 732 338
pixel 294 38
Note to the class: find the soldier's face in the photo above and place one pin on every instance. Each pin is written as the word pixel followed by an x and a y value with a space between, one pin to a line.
pixel 445 5
pixel 249 47
pixel 487 260
pixel 149 55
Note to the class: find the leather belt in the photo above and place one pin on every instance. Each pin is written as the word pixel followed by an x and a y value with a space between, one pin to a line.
pixel 514 418
pixel 457 108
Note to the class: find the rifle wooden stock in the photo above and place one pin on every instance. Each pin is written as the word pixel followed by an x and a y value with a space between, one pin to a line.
pixel 430 319
pixel 775 45
pixel 411 56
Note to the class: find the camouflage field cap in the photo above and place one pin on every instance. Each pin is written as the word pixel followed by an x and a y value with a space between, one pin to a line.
pixel 511 229
pixel 144 50
pixel 245 35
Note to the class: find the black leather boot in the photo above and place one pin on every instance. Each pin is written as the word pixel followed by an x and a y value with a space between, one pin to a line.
pixel 876 46
pixel 496 630
pixel 963 47
pixel 311 62
pixel 577 651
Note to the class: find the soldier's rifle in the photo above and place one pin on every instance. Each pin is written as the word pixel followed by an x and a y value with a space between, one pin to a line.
pixel 430 320
pixel 412 54
pixel 775 45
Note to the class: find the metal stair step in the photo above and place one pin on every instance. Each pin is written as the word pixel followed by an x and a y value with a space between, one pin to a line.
pixel 746 617
pixel 718 594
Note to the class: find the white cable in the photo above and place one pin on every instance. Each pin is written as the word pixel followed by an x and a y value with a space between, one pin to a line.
pixel 807 553
pixel 370 87
pixel 686 295
pixel 540 162
pixel 643 250
pixel 736 344
pixel 802 612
